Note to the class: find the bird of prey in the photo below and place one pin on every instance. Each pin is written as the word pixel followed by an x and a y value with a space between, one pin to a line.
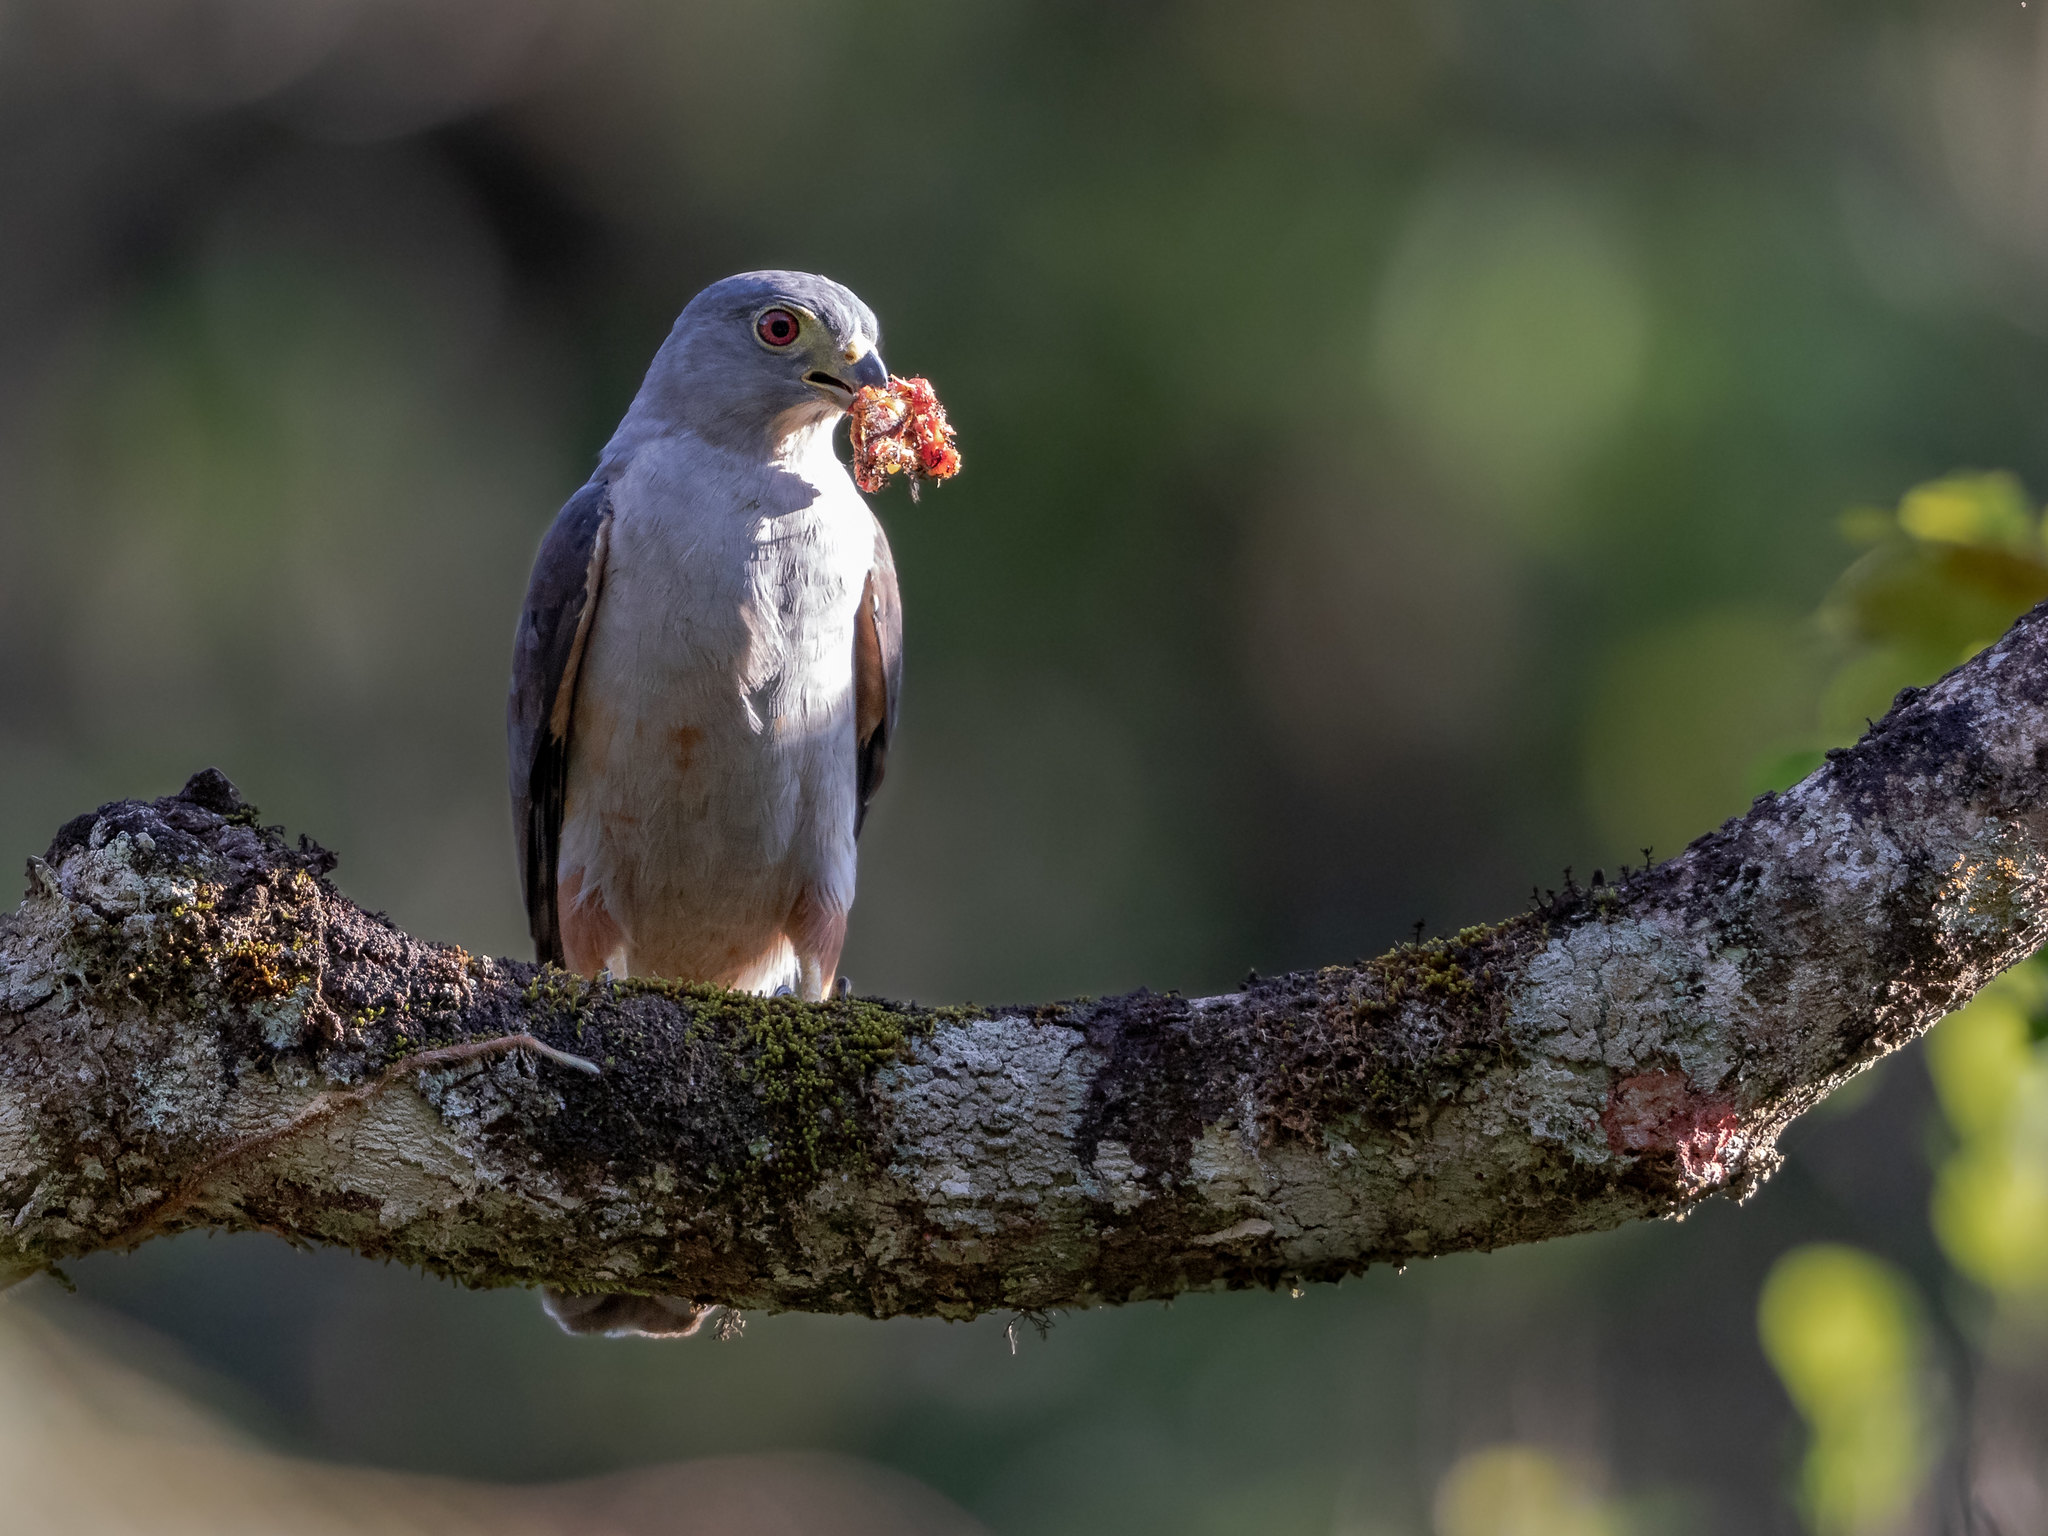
pixel 706 671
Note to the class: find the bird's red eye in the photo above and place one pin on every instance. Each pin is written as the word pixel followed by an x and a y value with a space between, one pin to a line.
pixel 777 327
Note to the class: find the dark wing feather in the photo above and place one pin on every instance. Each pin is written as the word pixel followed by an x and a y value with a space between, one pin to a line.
pixel 547 653
pixel 877 671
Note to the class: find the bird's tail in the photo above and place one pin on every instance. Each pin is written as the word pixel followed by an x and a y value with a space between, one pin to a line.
pixel 619 1316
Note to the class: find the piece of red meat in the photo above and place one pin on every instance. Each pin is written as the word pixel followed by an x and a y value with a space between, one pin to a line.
pixel 901 429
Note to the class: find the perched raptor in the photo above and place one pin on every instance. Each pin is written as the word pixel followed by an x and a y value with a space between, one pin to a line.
pixel 705 676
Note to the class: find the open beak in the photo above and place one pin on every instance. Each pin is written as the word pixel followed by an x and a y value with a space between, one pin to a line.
pixel 844 384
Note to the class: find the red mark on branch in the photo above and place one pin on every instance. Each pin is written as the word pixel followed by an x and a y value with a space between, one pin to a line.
pixel 1661 1112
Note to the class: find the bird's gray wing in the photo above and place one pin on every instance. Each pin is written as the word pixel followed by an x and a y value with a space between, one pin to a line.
pixel 547 653
pixel 877 671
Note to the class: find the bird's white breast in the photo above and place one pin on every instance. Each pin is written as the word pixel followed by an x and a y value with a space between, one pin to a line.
pixel 712 779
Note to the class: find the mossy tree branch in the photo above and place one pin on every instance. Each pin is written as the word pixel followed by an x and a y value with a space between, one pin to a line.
pixel 197 1029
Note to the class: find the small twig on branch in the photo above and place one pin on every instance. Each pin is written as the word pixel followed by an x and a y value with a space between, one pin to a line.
pixel 332 1103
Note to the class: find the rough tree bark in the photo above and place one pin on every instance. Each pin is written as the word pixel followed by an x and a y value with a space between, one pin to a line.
pixel 196 1029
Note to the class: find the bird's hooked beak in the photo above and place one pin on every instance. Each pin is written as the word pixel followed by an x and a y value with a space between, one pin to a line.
pixel 857 366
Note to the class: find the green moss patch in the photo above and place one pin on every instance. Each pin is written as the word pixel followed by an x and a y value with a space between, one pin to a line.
pixel 1397 1034
pixel 790 1097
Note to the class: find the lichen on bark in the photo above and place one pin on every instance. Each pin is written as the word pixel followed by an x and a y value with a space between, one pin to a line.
pixel 198 1029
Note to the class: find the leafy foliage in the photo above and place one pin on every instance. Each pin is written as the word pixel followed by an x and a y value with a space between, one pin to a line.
pixel 1843 1330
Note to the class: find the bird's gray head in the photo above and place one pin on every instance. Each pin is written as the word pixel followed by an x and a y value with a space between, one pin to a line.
pixel 758 356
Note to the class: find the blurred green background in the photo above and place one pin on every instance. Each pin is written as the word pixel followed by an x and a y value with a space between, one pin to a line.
pixel 1407 444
